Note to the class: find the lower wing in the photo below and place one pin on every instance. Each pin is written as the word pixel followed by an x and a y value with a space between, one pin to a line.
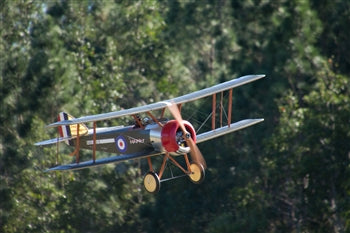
pixel 103 161
pixel 53 141
pixel 227 129
pixel 120 158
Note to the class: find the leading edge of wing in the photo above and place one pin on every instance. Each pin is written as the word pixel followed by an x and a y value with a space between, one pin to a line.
pixel 225 130
pixel 102 161
pixel 53 141
pixel 159 105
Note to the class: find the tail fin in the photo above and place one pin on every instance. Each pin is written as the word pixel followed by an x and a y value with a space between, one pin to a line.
pixel 70 131
pixel 67 132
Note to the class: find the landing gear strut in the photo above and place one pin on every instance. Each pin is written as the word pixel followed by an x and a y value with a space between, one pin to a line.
pixel 195 172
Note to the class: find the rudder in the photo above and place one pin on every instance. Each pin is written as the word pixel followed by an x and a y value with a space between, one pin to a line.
pixel 70 131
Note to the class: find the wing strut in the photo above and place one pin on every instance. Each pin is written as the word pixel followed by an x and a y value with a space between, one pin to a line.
pixel 155 119
pixel 229 109
pixel 213 112
pixel 57 145
pixel 221 106
pixel 94 144
pixel 78 144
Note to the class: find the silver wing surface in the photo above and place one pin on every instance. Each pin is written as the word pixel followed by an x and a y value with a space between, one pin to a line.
pixel 227 129
pixel 103 161
pixel 160 105
pixel 53 141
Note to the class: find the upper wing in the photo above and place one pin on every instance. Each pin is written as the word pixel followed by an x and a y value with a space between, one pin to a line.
pixel 160 105
pixel 103 161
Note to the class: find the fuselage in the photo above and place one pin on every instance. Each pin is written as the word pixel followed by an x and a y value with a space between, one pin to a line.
pixel 135 139
pixel 122 140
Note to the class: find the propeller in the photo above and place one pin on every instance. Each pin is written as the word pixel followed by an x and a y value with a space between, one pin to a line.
pixel 196 155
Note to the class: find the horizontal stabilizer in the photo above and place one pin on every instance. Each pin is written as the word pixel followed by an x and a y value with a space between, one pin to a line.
pixel 225 130
pixel 53 141
pixel 102 161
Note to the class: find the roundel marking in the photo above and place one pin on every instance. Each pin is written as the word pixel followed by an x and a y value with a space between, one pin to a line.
pixel 121 144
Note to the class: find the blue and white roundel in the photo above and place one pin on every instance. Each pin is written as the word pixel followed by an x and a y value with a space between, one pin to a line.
pixel 121 144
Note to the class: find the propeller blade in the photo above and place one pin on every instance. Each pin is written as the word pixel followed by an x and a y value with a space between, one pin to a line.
pixel 195 152
pixel 174 110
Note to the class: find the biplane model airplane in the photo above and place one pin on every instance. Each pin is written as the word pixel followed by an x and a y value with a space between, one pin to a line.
pixel 150 136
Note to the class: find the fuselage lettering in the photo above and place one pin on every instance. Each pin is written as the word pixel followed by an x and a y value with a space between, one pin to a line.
pixel 136 141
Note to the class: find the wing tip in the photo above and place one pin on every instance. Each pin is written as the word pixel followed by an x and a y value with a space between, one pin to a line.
pixel 255 76
pixel 60 123
pixel 59 168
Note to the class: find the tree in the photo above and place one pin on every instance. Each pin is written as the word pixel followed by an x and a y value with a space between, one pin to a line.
pixel 311 152
pixel 334 16
pixel 89 57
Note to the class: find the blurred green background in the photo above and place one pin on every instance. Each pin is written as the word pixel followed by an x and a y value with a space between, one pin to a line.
pixel 287 174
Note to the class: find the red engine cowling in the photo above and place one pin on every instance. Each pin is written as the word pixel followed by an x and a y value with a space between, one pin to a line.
pixel 172 137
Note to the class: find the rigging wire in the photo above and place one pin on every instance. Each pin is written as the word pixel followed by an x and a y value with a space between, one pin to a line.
pixel 203 124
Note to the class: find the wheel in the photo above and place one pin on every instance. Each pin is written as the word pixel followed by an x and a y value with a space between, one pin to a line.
pixel 197 173
pixel 151 182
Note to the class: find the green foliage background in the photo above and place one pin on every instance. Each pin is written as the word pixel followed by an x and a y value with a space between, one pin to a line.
pixel 289 174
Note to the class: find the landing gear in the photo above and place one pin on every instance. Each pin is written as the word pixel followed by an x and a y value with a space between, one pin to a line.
pixel 194 171
pixel 197 173
pixel 151 182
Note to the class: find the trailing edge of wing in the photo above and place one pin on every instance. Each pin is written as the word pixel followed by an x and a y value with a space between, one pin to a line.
pixel 159 105
pixel 225 130
pixel 102 161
